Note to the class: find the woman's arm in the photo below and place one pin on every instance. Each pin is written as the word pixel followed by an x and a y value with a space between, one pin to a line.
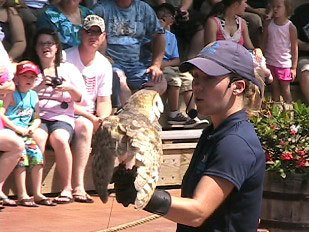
pixel 210 30
pixel 294 49
pixel 17 31
pixel 247 41
pixel 209 195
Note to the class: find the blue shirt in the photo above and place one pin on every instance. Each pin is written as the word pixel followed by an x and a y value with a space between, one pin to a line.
pixel 22 113
pixel 126 28
pixel 233 152
pixel 171 47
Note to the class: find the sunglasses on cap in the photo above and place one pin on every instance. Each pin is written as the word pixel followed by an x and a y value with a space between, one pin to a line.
pixel 93 32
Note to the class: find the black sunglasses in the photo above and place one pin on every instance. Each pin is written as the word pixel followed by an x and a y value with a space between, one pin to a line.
pixel 94 32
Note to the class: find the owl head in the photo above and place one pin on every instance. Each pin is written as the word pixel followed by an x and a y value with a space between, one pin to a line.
pixel 146 102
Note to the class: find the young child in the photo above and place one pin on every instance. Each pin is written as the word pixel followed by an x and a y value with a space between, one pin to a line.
pixel 178 83
pixel 22 116
pixel 281 50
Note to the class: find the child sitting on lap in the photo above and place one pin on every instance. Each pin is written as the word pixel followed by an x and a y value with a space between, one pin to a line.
pixel 22 116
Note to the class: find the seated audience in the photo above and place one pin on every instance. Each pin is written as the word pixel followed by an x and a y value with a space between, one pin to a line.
pixel 98 76
pixel 11 145
pixel 13 28
pixel 64 17
pixel 60 86
pixel 301 21
pixel 128 23
pixel 224 23
pixel 22 117
pixel 178 83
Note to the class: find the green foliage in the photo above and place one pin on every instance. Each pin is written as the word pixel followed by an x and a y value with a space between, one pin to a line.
pixel 284 137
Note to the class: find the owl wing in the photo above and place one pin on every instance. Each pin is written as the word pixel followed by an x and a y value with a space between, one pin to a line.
pixel 107 141
pixel 145 144
pixel 124 133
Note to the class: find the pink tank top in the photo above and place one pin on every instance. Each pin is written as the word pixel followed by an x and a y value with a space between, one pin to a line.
pixel 224 35
pixel 278 48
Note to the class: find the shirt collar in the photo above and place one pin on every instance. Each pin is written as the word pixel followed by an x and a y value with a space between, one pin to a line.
pixel 225 126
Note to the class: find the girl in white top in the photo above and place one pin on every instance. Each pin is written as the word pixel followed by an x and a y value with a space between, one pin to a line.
pixel 281 50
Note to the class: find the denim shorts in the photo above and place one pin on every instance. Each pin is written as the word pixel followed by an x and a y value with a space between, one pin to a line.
pixel 54 125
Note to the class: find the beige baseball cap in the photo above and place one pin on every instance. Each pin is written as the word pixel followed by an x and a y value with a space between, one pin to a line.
pixel 94 20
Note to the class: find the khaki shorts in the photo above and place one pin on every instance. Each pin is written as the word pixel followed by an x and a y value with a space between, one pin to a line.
pixel 303 63
pixel 175 78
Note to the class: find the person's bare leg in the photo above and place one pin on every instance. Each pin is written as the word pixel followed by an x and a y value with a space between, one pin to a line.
pixel 173 97
pixel 12 147
pixel 285 90
pixel 40 136
pixel 304 84
pixel 196 44
pixel 37 176
pixel 59 141
pixel 275 90
pixel 81 145
pixel 20 180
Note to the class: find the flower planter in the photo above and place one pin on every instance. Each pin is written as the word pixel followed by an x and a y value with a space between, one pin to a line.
pixel 285 205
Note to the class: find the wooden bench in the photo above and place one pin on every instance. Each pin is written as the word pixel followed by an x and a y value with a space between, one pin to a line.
pixel 178 147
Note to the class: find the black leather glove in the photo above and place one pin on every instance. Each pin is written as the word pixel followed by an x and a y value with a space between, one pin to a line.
pixel 123 180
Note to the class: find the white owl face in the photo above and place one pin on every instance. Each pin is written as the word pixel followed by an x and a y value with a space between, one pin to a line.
pixel 157 108
pixel 147 102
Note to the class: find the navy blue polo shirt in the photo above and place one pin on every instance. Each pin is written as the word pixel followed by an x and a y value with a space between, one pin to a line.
pixel 233 152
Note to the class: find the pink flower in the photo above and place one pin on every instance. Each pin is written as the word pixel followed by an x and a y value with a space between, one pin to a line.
pixel 286 155
pixel 294 129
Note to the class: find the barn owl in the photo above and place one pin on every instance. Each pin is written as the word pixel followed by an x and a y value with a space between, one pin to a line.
pixel 133 137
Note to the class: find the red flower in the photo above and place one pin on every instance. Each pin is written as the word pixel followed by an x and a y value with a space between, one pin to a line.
pixel 286 155
pixel 300 152
pixel 301 163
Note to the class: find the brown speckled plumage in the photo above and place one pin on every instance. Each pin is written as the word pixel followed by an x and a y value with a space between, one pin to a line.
pixel 132 133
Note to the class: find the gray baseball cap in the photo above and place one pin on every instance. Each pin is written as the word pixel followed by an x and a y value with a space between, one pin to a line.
pixel 221 58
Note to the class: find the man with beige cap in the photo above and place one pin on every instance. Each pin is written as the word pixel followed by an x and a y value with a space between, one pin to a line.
pixel 97 73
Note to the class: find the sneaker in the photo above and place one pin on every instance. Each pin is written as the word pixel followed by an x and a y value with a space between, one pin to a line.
pixel 180 119
pixel 191 123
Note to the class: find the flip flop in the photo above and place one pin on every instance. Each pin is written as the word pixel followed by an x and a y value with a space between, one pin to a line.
pixel 27 203
pixel 59 200
pixel 46 201
pixel 83 198
pixel 8 202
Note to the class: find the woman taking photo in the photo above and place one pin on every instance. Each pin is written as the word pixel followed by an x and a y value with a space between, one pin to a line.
pixel 61 85
pixel 222 188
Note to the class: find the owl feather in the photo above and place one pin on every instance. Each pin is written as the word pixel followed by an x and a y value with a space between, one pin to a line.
pixel 133 138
